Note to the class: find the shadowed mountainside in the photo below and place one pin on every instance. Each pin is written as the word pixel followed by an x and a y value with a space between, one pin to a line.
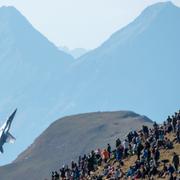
pixel 31 74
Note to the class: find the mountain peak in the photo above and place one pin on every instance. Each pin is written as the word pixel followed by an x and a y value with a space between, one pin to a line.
pixel 167 3
pixel 156 13
pixel 161 5
pixel 11 15
pixel 8 10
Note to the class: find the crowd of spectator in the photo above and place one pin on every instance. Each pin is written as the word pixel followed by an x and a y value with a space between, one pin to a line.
pixel 146 144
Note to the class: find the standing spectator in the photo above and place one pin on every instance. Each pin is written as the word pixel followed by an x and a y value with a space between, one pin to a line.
pixel 130 172
pixel 119 153
pixel 175 161
pixel 170 171
pixel 155 125
pixel 126 147
pixel 118 142
pixel 56 176
pixel 139 149
pixel 90 165
pixel 109 149
pixel 156 155
pixel 174 120
pixel 145 131
pixel 52 176
pixel 169 120
pixel 63 173
pixel 76 173
pixel 105 155
pixel 178 131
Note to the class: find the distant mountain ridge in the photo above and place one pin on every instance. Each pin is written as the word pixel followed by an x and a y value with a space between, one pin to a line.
pixel 31 73
pixel 67 138
pixel 137 68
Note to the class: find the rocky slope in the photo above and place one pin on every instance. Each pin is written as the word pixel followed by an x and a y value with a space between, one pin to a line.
pixel 68 138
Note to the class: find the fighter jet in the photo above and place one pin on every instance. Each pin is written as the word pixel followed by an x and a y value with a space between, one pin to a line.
pixel 5 136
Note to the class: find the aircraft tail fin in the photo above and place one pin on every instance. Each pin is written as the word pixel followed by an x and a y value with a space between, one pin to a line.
pixel 12 116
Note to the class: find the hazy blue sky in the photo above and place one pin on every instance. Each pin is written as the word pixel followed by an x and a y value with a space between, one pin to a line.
pixel 79 23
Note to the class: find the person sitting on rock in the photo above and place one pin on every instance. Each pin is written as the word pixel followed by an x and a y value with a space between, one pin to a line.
pixel 168 144
pixel 163 172
pixel 130 172
pixel 171 170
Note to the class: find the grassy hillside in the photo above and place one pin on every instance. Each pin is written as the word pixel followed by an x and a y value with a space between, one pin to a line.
pixel 69 137
pixel 130 161
pixel 147 153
